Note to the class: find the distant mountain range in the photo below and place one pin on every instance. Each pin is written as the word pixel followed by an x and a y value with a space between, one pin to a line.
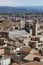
pixel 21 8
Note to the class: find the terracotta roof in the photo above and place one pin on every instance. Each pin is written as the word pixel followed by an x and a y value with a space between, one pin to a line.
pixel 33 51
pixel 14 64
pixel 8 40
pixel 25 49
pixel 30 57
pixel 33 63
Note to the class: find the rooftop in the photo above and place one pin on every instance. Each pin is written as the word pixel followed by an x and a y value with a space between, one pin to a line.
pixel 30 57
pixel 25 49
pixel 17 33
pixel 33 63
pixel 14 64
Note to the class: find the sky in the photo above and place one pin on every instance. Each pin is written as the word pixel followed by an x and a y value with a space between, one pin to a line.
pixel 21 2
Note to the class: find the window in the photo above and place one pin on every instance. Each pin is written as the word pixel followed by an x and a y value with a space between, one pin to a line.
pixel 1 21
pixel 38 45
pixel 42 48
pixel 18 53
pixel 41 44
pixel 16 27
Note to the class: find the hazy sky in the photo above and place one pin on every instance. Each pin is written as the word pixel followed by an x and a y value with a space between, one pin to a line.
pixel 21 2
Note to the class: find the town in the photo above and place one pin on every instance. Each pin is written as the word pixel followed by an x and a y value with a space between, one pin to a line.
pixel 21 40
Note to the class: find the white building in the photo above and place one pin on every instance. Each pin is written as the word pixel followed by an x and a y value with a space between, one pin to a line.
pixel 5 60
pixel 18 33
pixel 21 35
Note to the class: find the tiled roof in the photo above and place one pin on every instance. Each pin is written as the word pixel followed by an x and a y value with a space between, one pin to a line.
pixel 14 64
pixel 33 63
pixel 25 49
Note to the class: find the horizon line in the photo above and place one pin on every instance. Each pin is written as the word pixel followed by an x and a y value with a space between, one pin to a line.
pixel 22 6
